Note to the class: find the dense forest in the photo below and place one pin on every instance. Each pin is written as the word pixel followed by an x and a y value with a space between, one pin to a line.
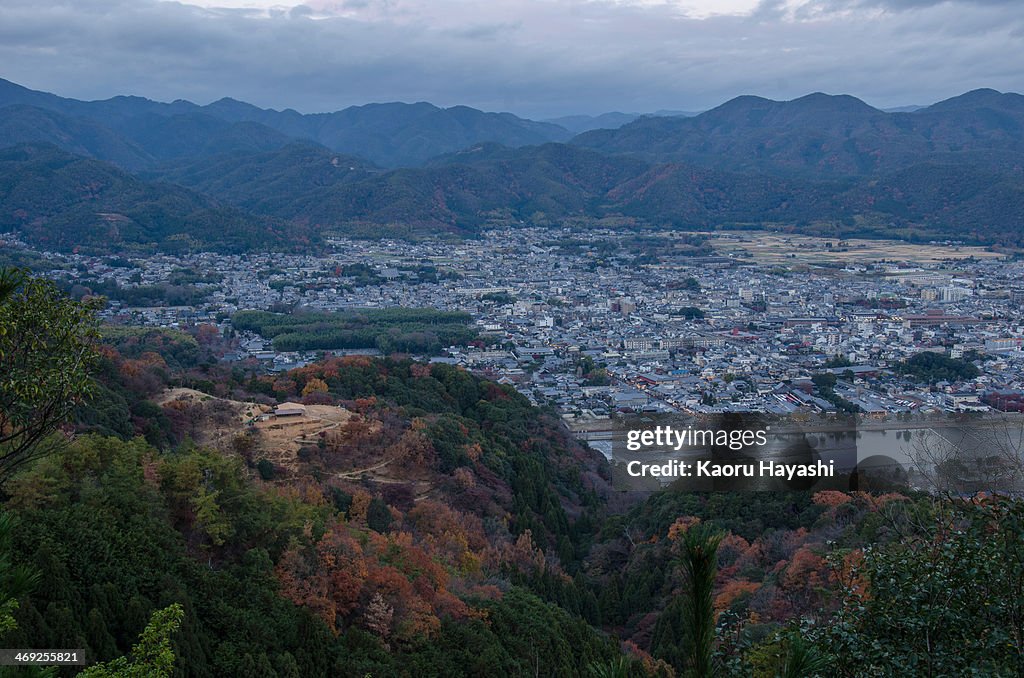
pixel 445 527
pixel 406 330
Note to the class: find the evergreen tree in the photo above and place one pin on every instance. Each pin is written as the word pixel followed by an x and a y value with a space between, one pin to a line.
pixel 700 565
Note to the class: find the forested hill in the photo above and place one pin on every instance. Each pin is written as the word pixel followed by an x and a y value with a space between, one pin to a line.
pixel 820 164
pixel 975 198
pixel 435 533
pixel 418 520
pixel 61 201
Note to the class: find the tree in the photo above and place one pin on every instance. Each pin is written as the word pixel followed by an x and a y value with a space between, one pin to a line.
pixel 934 367
pixel 378 616
pixel 838 360
pixel 824 381
pixel 47 350
pixel 700 564
pixel 943 598
pixel 152 656
pixel 314 385
pixel 10 280
pixel 620 668
pixel 803 659
pixel 685 632
pixel 15 580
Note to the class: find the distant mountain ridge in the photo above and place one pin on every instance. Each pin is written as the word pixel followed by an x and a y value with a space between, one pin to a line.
pixel 585 123
pixel 819 164
pixel 820 134
pixel 389 134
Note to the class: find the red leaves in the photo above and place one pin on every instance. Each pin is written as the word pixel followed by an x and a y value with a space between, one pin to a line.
pixel 682 524
pixel 831 498
pixel 392 585
pixel 732 591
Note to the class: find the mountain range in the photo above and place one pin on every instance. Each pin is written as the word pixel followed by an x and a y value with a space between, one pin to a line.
pixel 389 134
pixel 585 123
pixel 818 164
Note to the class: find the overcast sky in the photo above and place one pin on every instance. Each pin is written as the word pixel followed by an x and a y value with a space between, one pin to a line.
pixel 538 58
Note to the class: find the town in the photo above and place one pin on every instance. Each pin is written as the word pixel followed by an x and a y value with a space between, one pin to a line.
pixel 596 321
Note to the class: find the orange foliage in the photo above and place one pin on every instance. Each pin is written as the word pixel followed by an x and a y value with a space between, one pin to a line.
pixel 414 448
pixel 360 504
pixel 732 548
pixel 474 451
pixel 207 334
pixel 314 385
pixel 523 554
pixel 388 583
pixel 151 359
pixel 806 570
pixel 485 592
pixel 464 478
pixel 419 371
pixel 883 499
pixel 651 666
pixel 330 585
pixel 679 528
pixel 285 386
pixel 732 591
pixel 443 526
pixel 752 557
pixel 831 498
pixel 179 405
pixel 304 492
pixel 364 404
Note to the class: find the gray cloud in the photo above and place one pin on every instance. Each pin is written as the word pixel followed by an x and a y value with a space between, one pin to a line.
pixel 534 57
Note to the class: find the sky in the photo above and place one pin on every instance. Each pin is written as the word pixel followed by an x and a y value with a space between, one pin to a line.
pixel 536 58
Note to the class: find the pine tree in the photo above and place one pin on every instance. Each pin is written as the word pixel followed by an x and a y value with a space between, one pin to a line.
pixel 700 564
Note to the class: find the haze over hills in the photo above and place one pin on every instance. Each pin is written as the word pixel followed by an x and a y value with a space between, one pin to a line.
pixel 818 133
pixel 819 164
pixel 585 123
pixel 389 134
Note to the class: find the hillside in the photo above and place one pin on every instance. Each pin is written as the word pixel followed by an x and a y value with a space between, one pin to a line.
pixel 819 164
pixel 285 182
pixel 62 201
pixel 417 520
pixel 578 124
pixel 962 196
pixel 456 193
pixel 20 123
